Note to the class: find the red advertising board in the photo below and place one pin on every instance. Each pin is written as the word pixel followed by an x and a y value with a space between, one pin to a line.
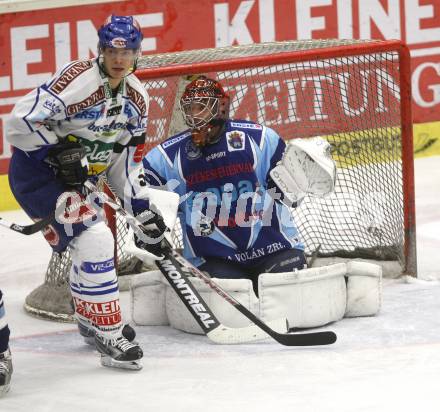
pixel 35 43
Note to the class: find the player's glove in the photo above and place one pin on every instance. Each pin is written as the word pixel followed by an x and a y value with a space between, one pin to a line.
pixel 154 226
pixel 70 162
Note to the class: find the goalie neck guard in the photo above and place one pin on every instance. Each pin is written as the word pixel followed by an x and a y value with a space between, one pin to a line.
pixel 205 107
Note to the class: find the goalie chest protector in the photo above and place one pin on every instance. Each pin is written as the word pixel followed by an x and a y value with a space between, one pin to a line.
pixel 227 211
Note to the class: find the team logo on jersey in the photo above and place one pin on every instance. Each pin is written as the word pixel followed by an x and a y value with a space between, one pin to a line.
pixel 236 140
pixel 192 151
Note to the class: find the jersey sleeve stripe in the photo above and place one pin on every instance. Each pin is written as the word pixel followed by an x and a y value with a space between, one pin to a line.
pixel 263 137
pixel 30 111
pixel 254 154
pixel 29 124
pixel 179 165
pixel 165 156
pixel 127 174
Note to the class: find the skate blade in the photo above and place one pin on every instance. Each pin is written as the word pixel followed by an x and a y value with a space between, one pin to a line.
pixel 112 363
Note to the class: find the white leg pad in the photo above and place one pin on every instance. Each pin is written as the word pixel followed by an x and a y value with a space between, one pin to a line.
pixel 93 280
pixel 148 299
pixel 308 298
pixel 241 289
pixel 364 289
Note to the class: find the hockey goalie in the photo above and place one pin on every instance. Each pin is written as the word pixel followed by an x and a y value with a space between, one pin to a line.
pixel 237 182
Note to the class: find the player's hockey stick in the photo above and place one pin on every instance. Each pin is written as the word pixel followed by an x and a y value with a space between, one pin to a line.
pixel 28 229
pixel 171 265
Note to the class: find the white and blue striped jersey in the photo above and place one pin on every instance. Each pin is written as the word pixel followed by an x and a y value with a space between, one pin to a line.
pixel 77 104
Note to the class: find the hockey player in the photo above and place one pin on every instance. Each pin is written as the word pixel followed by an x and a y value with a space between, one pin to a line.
pixel 234 222
pixel 88 119
pixel 5 353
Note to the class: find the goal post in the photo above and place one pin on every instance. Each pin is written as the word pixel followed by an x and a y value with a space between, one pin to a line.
pixel 355 93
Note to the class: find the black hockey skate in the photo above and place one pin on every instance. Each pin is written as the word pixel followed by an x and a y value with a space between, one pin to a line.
pixel 88 333
pixel 119 352
pixel 5 371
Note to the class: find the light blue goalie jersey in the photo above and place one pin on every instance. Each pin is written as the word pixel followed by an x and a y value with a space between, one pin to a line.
pixel 228 207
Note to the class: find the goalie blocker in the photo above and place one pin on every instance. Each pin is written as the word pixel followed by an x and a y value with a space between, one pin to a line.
pixel 307 298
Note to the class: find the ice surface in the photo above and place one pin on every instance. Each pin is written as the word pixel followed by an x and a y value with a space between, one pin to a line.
pixel 386 363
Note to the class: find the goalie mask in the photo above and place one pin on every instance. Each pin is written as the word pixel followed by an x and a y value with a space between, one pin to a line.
pixel 205 107
pixel 119 37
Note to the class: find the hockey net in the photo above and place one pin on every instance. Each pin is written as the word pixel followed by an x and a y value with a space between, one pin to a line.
pixel 355 93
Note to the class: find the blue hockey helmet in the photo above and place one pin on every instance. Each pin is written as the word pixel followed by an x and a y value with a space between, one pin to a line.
pixel 122 32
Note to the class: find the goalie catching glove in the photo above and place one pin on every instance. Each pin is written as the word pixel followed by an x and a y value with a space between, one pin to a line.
pixel 306 168
pixel 70 162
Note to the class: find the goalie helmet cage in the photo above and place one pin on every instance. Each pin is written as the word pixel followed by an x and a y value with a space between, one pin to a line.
pixel 354 93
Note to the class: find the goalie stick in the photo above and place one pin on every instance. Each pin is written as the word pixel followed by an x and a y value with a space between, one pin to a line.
pixel 170 267
pixel 218 333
